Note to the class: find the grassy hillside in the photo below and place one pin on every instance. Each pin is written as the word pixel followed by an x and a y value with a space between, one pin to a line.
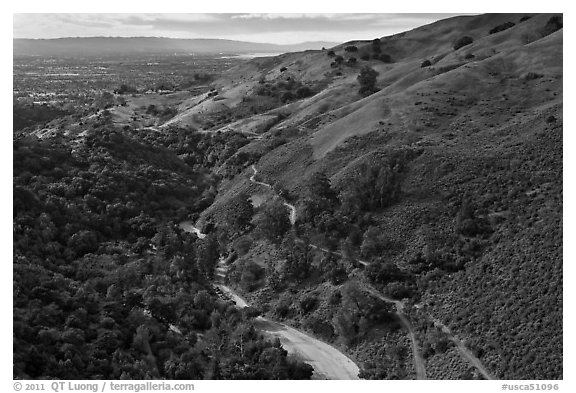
pixel 471 143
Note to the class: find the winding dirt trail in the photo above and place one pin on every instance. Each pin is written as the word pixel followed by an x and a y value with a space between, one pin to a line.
pixel 288 205
pixel 253 178
pixel 293 218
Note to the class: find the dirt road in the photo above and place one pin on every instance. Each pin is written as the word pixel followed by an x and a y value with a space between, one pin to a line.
pixel 327 361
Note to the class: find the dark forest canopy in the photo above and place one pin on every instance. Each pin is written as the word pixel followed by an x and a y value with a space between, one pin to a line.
pixel 106 285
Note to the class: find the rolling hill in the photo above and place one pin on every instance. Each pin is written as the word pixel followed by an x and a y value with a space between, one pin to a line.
pixel 478 130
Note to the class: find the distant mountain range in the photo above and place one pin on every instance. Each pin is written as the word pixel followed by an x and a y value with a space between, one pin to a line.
pixel 97 46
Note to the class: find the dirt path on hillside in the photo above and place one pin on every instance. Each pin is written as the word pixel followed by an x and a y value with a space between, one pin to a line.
pixel 464 352
pixel 337 253
pixel 288 205
pixel 253 178
pixel 418 359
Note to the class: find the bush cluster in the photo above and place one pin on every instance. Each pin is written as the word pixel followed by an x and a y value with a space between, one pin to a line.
pixel 285 90
pixel 367 81
pixel 502 27
pixel 463 41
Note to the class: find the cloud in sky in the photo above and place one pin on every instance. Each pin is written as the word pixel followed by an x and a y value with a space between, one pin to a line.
pixel 275 28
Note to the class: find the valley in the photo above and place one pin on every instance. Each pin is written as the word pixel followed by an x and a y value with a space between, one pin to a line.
pixel 380 209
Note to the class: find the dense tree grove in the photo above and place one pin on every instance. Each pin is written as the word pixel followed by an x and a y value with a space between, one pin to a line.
pixel 201 151
pixel 105 283
pixel 26 115
pixel 274 221
pixel 344 212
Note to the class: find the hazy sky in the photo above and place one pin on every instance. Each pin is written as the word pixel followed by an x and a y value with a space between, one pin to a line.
pixel 273 28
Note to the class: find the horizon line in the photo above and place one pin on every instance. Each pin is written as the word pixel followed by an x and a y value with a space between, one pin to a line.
pixel 170 38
